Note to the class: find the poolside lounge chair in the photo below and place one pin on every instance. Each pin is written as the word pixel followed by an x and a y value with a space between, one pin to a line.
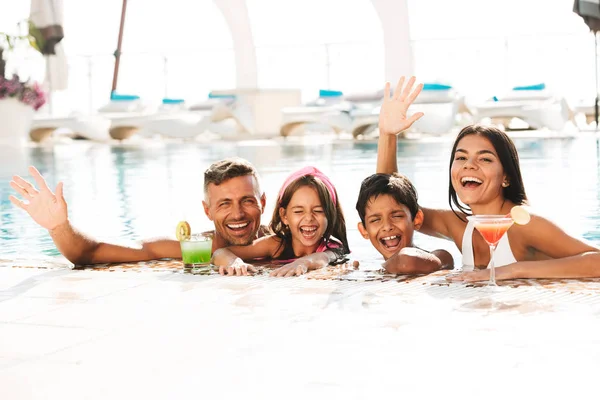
pixel 535 105
pixel 93 127
pixel 329 110
pixel 174 119
pixel 587 109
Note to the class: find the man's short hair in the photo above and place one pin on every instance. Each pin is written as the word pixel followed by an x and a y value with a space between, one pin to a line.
pixel 396 185
pixel 229 168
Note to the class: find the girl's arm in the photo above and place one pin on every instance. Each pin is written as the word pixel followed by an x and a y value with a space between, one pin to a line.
pixel 569 257
pixel 412 260
pixel 231 259
pixel 307 263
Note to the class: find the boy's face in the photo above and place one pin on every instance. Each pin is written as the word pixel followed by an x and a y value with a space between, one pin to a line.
pixel 389 225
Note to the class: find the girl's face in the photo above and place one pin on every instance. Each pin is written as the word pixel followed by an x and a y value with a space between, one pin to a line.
pixel 305 216
pixel 477 174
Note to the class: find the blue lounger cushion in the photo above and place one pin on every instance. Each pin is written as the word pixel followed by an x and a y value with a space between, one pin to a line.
pixel 123 97
pixel 436 86
pixel 539 86
pixel 168 101
pixel 212 95
pixel 330 93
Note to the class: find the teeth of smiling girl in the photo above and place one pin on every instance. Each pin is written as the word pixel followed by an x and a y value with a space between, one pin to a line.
pixel 308 232
pixel 238 226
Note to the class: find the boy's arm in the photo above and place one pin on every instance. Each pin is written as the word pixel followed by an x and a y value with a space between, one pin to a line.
pixel 412 260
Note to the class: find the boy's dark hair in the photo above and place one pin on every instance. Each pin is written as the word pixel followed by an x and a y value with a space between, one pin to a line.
pixel 396 185
pixel 336 224
pixel 229 168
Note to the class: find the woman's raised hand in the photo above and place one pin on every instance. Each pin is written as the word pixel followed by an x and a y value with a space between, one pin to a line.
pixel 393 117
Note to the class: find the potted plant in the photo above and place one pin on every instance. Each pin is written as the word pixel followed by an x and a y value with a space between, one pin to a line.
pixel 19 99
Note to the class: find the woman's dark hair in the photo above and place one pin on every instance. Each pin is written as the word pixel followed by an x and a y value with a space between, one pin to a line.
pixel 509 158
pixel 336 224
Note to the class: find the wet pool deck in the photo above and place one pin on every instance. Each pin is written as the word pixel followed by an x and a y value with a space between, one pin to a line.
pixel 148 332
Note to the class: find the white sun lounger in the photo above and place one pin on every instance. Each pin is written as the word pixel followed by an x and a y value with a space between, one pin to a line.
pixel 329 110
pixel 93 127
pixel 176 120
pixel 535 105
pixel 588 111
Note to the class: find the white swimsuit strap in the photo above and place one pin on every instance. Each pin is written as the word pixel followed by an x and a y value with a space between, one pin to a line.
pixel 468 260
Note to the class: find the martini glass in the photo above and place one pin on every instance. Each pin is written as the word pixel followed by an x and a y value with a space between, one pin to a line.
pixel 492 228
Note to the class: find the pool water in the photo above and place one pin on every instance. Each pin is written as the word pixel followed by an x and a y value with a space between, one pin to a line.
pixel 123 193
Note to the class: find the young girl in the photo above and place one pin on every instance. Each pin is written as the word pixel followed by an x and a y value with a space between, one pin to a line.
pixel 309 230
pixel 485 178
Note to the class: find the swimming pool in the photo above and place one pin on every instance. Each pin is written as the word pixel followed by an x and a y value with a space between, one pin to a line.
pixel 128 192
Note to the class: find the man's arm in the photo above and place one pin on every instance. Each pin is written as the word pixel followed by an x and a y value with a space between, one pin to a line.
pixel 49 210
pixel 81 249
pixel 412 260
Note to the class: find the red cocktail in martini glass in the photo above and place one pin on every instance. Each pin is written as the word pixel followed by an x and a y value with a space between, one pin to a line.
pixel 492 228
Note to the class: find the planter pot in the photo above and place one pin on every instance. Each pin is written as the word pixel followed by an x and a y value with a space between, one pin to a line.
pixel 15 123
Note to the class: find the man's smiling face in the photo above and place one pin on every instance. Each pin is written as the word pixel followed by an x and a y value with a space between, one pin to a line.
pixel 235 206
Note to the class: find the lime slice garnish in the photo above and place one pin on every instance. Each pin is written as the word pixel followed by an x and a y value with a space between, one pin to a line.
pixel 520 215
pixel 183 230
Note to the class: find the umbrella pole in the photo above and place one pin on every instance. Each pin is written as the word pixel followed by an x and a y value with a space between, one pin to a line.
pixel 597 92
pixel 119 44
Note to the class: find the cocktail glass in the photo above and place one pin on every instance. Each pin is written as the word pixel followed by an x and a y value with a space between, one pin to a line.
pixel 492 228
pixel 196 251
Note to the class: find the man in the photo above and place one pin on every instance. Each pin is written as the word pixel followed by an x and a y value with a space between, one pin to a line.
pixel 232 200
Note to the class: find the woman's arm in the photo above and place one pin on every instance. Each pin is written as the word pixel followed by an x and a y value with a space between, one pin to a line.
pixel 393 120
pixel 569 257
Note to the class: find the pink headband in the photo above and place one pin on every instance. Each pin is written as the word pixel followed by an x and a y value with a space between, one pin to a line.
pixel 313 172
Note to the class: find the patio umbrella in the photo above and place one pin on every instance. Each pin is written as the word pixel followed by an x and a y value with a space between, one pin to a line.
pixel 589 10
pixel 46 18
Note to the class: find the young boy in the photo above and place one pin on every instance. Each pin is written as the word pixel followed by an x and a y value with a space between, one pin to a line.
pixel 389 213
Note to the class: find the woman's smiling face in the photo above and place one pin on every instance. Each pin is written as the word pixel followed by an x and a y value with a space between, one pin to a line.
pixel 477 174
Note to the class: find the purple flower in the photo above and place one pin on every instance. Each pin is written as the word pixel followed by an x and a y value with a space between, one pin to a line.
pixel 30 94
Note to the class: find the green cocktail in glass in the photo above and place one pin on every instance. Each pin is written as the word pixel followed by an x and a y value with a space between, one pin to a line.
pixel 196 251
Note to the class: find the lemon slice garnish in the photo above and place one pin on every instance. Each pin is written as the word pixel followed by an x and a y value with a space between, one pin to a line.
pixel 520 215
pixel 183 230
